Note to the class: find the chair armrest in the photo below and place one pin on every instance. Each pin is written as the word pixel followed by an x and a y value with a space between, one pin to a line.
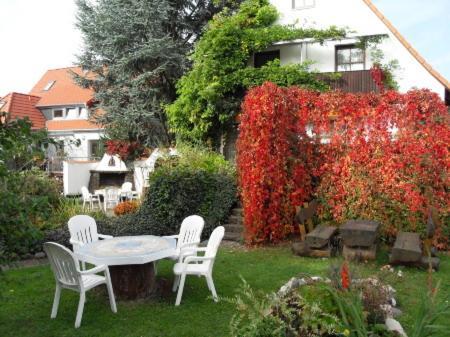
pixel 190 252
pixel 95 270
pixel 76 242
pixel 104 236
pixel 190 259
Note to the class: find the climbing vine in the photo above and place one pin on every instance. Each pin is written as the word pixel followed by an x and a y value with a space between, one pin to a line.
pixel 374 156
pixel 210 94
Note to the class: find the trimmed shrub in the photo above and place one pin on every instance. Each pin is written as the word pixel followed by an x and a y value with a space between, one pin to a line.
pixel 175 192
pixel 126 207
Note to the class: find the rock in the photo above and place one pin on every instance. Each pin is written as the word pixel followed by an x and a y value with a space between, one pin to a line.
pixel 300 248
pixel 39 255
pixel 393 325
pixel 28 256
pixel 359 233
pixel 396 312
pixel 407 248
pixel 320 236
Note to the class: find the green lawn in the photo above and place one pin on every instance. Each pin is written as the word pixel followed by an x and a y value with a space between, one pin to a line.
pixel 26 304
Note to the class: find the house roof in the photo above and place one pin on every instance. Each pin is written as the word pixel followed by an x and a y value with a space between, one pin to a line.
pixel 57 87
pixel 407 45
pixel 18 105
pixel 71 125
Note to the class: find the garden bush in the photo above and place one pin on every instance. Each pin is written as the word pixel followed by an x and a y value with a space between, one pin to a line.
pixel 375 156
pixel 201 182
pixel 126 207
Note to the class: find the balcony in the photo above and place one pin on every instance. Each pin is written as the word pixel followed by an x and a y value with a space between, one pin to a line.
pixel 351 81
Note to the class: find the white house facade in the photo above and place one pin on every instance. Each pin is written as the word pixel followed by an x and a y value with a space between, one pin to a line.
pixel 65 107
pixel 363 19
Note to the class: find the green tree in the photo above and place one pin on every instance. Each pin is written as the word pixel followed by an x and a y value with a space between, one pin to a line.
pixel 210 94
pixel 137 51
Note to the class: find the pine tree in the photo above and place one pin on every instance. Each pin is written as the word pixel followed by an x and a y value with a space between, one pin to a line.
pixel 134 52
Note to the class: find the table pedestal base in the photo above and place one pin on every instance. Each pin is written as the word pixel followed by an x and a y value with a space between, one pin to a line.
pixel 131 282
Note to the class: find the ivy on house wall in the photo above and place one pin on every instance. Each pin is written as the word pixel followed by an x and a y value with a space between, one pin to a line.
pixel 209 96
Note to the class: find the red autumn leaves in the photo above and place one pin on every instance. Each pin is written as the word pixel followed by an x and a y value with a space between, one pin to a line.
pixel 379 156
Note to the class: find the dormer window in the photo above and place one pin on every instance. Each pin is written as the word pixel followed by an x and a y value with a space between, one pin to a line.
pixel 58 113
pixel 303 4
pixel 49 85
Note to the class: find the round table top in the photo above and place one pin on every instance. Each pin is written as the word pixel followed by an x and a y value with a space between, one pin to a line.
pixel 124 250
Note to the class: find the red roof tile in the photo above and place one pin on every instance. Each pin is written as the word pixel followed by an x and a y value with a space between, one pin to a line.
pixel 21 106
pixel 74 124
pixel 63 91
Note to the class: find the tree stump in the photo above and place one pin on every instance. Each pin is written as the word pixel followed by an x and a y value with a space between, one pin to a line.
pixel 407 248
pixel 359 233
pixel 135 281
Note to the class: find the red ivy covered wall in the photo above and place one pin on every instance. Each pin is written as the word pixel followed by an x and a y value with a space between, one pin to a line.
pixel 378 156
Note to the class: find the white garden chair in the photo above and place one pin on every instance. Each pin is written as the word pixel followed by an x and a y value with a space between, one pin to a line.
pixel 111 197
pixel 189 236
pixel 126 191
pixel 68 276
pixel 198 265
pixel 83 230
pixel 90 198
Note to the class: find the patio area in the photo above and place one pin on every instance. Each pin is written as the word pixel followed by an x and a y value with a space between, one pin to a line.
pixel 29 295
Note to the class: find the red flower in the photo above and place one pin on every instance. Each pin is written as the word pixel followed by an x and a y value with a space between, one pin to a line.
pixel 345 276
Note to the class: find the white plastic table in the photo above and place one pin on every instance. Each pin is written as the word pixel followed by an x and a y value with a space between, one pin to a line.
pixel 130 260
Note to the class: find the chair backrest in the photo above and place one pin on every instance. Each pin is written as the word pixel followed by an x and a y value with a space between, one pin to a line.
pixel 127 187
pixel 190 230
pixel 64 265
pixel 83 228
pixel 85 192
pixel 112 194
pixel 213 244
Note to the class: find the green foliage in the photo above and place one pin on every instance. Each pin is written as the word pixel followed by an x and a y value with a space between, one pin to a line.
pixel 201 182
pixel 137 50
pixel 210 94
pixel 431 308
pixel 289 315
pixel 26 197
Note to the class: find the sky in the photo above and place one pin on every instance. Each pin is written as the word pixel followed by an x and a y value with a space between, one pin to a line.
pixel 37 35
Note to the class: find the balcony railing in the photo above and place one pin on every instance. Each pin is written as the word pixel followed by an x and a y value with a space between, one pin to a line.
pixel 351 81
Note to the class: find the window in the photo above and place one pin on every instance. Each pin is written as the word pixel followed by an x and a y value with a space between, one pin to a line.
pixel 349 58
pixel 58 113
pixel 49 85
pixel 262 58
pixel 303 4
pixel 95 149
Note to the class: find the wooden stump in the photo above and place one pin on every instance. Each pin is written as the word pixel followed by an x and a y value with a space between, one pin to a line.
pixel 407 248
pixel 359 233
pixel 131 282
pixel 360 253
pixel 320 236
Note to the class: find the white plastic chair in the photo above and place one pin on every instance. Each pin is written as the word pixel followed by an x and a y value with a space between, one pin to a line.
pixel 68 276
pixel 83 230
pixel 189 236
pixel 127 192
pixel 90 198
pixel 111 197
pixel 198 265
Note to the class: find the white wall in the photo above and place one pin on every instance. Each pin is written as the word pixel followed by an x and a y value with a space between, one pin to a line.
pixel 70 138
pixel 75 175
pixel 357 16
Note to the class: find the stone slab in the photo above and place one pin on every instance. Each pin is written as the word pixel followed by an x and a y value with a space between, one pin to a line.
pixel 407 248
pixel 359 233
pixel 320 236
